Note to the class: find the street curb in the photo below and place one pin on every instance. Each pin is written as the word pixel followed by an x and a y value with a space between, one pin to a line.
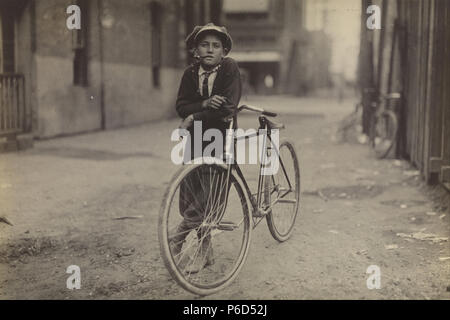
pixel 17 143
pixel 25 141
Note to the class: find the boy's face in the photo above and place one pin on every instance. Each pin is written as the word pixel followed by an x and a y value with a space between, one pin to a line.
pixel 210 50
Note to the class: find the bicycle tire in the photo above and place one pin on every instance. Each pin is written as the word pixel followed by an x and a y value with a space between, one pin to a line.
pixel 272 219
pixel 385 129
pixel 348 123
pixel 168 258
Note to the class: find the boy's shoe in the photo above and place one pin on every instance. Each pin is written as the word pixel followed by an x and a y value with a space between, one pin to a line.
pixel 176 241
pixel 205 258
pixel 175 247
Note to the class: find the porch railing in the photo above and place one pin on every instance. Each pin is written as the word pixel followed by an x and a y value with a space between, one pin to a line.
pixel 12 104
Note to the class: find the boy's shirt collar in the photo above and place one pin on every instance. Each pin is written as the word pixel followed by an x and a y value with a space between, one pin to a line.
pixel 202 71
pixel 210 75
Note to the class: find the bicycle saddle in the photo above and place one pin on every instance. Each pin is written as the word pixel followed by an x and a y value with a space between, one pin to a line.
pixel 274 125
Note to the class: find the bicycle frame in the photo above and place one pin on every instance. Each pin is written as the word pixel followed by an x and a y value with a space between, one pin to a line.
pixel 186 255
pixel 259 210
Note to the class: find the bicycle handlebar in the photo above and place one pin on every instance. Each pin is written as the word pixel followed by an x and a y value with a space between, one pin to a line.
pixel 386 97
pixel 257 109
pixel 392 95
pixel 269 113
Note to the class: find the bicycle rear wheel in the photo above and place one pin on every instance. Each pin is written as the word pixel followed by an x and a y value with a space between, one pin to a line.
pixel 204 233
pixel 384 133
pixel 282 193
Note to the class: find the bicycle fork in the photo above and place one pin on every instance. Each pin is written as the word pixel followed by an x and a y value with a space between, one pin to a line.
pixel 266 153
pixel 229 159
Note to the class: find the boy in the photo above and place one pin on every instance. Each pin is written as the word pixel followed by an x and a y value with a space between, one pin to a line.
pixel 209 92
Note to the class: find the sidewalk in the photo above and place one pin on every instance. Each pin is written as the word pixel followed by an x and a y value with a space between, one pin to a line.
pixel 64 195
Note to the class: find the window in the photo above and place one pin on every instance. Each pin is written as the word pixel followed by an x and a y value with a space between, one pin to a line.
pixel 156 18
pixel 246 10
pixel 7 61
pixel 79 46
pixel 253 6
pixel 80 68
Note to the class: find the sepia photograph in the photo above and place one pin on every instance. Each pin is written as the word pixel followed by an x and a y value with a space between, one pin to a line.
pixel 234 150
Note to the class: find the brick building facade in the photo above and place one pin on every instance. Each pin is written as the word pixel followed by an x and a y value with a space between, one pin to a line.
pixel 124 65
pixel 121 68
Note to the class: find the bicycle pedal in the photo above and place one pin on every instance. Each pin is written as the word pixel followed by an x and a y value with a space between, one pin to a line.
pixel 227 226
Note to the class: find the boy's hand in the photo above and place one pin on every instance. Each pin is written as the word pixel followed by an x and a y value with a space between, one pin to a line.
pixel 214 102
pixel 187 122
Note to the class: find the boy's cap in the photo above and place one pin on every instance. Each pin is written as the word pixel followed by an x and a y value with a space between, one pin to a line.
pixel 210 27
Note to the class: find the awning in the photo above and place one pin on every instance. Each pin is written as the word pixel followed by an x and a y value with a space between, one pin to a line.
pixel 239 6
pixel 256 56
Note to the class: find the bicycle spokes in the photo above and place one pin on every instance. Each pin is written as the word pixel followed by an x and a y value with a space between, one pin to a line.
pixel 208 229
pixel 282 196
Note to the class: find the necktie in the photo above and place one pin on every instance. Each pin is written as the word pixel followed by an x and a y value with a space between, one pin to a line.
pixel 205 89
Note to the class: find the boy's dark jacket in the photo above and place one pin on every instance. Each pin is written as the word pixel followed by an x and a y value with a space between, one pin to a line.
pixel 227 84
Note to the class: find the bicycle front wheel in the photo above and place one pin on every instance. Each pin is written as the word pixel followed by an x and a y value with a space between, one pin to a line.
pixel 204 228
pixel 282 193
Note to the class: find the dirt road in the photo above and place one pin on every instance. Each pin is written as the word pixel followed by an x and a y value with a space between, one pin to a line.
pixel 64 196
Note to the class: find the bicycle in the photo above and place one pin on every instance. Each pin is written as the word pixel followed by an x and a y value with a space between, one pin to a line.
pixel 358 122
pixel 230 211
pixel 383 125
pixel 351 123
